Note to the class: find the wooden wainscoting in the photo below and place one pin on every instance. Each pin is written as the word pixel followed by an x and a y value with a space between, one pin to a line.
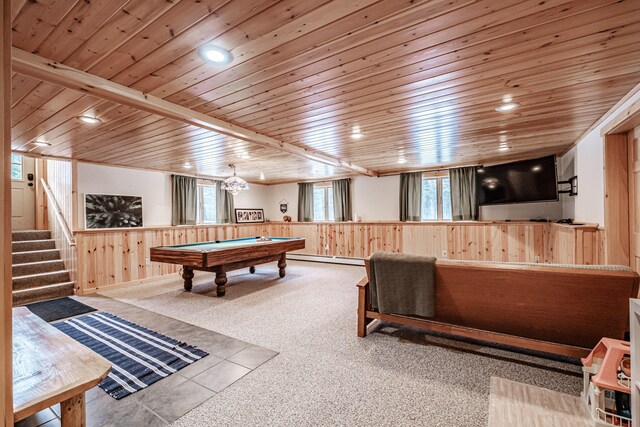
pixel 59 177
pixel 111 257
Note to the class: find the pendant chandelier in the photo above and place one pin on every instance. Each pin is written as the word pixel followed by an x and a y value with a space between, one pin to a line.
pixel 234 184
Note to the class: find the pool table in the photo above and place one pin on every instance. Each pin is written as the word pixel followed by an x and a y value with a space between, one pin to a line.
pixel 222 256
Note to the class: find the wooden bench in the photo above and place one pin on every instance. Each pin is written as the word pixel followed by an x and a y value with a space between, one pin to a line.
pixel 554 309
pixel 49 368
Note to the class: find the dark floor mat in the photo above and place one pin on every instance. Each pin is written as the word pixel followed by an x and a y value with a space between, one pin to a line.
pixel 57 309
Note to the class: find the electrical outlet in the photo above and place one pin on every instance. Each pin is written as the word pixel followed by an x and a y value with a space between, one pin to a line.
pixel 444 254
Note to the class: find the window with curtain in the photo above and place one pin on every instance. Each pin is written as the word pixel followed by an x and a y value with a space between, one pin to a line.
pixel 436 198
pixel 16 167
pixel 323 202
pixel 206 203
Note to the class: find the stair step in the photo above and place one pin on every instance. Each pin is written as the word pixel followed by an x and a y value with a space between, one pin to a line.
pixel 25 269
pixel 32 245
pixel 40 279
pixel 42 293
pixel 35 256
pixel 23 235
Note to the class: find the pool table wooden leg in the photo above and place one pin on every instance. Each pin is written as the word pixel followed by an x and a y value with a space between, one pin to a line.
pixel 221 280
pixel 187 275
pixel 282 264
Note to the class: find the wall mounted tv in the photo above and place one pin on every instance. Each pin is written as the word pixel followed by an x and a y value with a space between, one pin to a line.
pixel 518 182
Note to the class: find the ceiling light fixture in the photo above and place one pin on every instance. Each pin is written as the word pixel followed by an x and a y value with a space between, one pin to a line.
pixel 215 54
pixel 89 120
pixel 503 108
pixel 187 165
pixel 234 184
pixel 41 141
pixel 355 132
pixel 262 178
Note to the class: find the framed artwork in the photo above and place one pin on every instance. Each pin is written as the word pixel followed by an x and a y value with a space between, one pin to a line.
pixel 112 211
pixel 249 215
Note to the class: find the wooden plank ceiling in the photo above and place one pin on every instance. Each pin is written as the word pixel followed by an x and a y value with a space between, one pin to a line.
pixel 419 78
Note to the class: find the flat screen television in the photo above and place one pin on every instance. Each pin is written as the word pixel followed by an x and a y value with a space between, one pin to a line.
pixel 518 182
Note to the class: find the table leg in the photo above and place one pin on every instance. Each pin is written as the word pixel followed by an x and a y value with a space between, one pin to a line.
pixel 282 264
pixel 73 411
pixel 252 269
pixel 187 275
pixel 221 280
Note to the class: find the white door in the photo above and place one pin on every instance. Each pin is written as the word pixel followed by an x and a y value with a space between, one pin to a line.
pixel 23 196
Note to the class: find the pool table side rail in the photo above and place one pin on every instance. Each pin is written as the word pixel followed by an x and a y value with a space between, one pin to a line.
pixel 248 252
pixel 202 259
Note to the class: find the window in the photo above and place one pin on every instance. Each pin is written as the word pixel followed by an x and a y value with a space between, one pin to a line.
pixel 16 167
pixel 436 198
pixel 206 204
pixel 323 203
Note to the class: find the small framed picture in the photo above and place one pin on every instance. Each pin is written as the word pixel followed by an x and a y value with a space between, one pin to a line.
pixel 249 215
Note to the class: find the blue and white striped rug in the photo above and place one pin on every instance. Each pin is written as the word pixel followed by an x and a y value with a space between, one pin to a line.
pixel 139 356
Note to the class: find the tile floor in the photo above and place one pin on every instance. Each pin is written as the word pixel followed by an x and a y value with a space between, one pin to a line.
pixel 170 398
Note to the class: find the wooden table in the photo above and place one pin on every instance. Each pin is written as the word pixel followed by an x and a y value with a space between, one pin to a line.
pixel 49 367
pixel 222 256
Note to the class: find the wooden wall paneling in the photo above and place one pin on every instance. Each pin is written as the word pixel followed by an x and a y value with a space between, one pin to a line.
pixel 60 180
pixel 6 374
pixel 111 257
pixel 633 142
pixel 616 201
pixel 73 220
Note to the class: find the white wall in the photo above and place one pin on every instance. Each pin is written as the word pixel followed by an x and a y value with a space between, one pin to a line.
pixel 154 187
pixel 588 160
pixel 378 199
pixel 281 192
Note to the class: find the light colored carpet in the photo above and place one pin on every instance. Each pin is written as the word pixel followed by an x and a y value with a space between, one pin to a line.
pixel 325 374
pixel 515 404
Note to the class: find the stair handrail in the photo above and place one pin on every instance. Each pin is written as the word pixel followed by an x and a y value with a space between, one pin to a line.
pixel 52 200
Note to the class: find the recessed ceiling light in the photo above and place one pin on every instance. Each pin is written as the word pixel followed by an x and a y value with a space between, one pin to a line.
pixel 503 108
pixel 41 143
pixel 357 135
pixel 215 54
pixel 262 178
pixel 89 120
pixel 187 165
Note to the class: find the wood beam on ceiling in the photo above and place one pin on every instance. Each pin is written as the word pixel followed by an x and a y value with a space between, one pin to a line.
pixel 59 74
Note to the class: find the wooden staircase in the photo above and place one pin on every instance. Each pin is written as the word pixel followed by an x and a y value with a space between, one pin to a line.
pixel 38 271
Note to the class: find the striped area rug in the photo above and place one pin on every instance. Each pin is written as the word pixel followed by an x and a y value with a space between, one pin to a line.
pixel 139 356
